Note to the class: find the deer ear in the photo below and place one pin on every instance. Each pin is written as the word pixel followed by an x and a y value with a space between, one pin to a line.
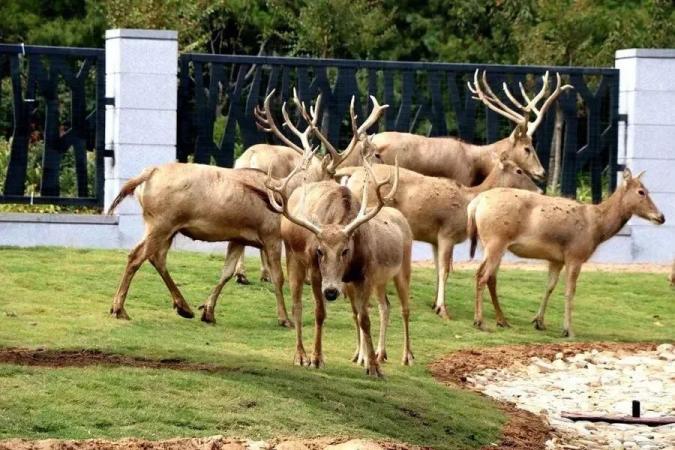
pixel 639 175
pixel 503 157
pixel 627 174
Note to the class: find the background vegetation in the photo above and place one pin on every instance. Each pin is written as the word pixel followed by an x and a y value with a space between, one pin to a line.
pixel 565 32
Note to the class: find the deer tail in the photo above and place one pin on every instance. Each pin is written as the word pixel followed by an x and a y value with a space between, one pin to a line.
pixel 130 186
pixel 471 229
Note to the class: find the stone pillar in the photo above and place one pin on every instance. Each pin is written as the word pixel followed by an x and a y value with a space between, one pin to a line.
pixel 647 142
pixel 141 76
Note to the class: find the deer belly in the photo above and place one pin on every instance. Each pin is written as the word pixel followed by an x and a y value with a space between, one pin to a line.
pixel 536 249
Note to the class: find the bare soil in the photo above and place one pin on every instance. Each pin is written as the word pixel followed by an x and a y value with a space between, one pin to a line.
pixel 524 430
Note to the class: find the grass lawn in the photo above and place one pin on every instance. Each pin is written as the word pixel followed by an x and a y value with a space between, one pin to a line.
pixel 59 299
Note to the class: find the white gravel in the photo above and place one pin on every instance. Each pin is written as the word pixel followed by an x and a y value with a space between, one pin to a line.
pixel 603 382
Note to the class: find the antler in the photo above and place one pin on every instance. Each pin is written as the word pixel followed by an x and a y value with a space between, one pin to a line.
pixel 337 158
pixel 485 94
pixel 363 216
pixel 265 121
pixel 281 191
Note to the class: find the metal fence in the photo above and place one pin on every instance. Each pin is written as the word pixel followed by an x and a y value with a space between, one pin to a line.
pixel 217 94
pixel 52 102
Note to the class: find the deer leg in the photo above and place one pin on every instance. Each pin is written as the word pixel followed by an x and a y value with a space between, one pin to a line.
pixel 383 306
pixel 361 305
pixel 492 288
pixel 434 249
pixel 554 269
pixel 135 259
pixel 240 271
pixel 358 354
pixel 296 279
pixel 402 281
pixel 486 270
pixel 319 317
pixel 158 260
pixel 444 257
pixel 265 275
pixel 573 271
pixel 272 256
pixel 234 252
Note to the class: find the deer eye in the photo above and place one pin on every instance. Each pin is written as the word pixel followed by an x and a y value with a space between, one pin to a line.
pixel 519 171
pixel 641 192
pixel 528 150
pixel 345 251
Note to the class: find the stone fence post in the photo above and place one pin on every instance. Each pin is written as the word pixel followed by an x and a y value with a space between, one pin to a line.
pixel 647 142
pixel 141 76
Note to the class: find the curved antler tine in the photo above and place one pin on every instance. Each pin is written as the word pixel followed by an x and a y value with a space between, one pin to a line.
pixel 501 105
pixel 265 122
pixel 513 99
pixel 490 101
pixel 353 116
pixel 532 127
pixel 394 186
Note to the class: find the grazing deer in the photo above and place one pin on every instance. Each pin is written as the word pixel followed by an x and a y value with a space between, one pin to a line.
pixel 282 159
pixel 206 203
pixel 466 163
pixel 560 230
pixel 436 209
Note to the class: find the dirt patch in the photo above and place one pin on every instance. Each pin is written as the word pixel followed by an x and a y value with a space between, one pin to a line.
pixel 207 443
pixel 86 357
pixel 523 429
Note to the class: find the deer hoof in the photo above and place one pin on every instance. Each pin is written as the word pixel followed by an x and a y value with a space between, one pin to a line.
pixel 286 323
pixel 567 334
pixel 538 324
pixel 184 311
pixel 241 279
pixel 317 362
pixel 503 324
pixel 119 314
pixel 207 314
pixel 441 311
pixel 265 278
pixel 381 356
pixel 478 324
pixel 407 358
pixel 300 358
pixel 374 371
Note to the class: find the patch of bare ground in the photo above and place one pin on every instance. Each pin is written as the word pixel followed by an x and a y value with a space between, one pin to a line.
pixel 543 266
pixel 89 357
pixel 523 430
pixel 206 443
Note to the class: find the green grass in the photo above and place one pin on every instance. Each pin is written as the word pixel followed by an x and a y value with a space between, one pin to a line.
pixel 59 299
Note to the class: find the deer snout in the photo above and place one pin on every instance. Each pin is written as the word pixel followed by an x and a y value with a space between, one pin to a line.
pixel 539 175
pixel 659 218
pixel 331 294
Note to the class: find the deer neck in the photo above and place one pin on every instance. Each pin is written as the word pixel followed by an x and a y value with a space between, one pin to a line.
pixel 483 157
pixel 610 216
pixel 488 183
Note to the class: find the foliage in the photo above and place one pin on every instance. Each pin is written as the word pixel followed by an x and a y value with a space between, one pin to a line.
pixel 67 179
pixel 260 394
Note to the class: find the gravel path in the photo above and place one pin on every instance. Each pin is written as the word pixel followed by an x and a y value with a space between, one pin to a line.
pixel 603 382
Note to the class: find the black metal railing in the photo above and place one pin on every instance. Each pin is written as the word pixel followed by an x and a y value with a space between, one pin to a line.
pixel 217 94
pixel 54 103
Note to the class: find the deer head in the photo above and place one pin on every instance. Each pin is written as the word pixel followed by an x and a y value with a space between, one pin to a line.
pixel 509 174
pixel 521 151
pixel 636 200
pixel 333 244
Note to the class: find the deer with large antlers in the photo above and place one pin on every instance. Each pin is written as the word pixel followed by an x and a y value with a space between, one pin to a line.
pixel 466 163
pixel 282 159
pixel 347 248
pixel 560 230
pixel 436 208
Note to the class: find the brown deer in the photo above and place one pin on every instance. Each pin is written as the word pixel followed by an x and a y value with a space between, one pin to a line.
pixel 560 230
pixel 282 159
pixel 210 204
pixel 671 278
pixel 466 163
pixel 346 248
pixel 436 208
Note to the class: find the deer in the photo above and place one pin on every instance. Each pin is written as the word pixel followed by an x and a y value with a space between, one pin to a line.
pixel 562 231
pixel 347 248
pixel 207 203
pixel 436 208
pixel 282 159
pixel 469 164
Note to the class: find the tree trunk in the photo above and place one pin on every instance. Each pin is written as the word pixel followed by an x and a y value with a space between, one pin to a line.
pixel 555 160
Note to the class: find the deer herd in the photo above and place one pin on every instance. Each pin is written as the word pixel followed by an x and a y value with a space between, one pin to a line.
pixel 347 218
